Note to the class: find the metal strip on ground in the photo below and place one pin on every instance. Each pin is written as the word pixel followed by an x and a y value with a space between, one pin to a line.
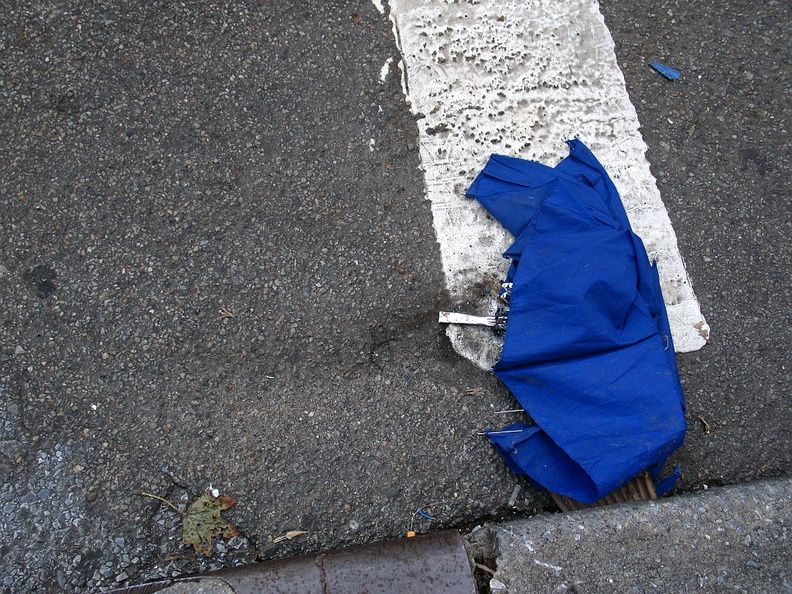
pixel 518 77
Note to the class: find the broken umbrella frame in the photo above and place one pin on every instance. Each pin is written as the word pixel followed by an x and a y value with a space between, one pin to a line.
pixel 587 347
pixel 497 321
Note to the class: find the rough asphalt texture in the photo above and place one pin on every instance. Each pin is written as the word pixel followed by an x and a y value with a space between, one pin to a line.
pixel 163 163
pixel 720 148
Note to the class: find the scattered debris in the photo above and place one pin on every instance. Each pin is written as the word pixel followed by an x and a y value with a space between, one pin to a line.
pixel 421 511
pixel 514 494
pixel 501 432
pixel 289 535
pixel 474 391
pixel 664 485
pixel 485 568
pixel 640 488
pixel 704 424
pixel 667 71
pixel 202 520
pixel 497 321
pixel 226 313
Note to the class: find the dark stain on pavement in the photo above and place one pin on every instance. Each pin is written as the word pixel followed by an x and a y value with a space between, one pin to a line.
pixel 43 279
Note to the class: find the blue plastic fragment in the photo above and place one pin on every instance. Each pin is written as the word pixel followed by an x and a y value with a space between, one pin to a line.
pixel 667 71
pixel 420 511
pixel 664 485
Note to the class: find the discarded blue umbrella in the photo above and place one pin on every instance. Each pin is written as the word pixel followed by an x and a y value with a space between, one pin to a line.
pixel 587 350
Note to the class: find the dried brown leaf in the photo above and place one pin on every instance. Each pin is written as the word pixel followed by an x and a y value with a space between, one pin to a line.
pixel 202 522
pixel 289 535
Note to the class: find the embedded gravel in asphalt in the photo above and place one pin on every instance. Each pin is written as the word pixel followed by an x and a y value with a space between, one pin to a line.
pixel 218 267
pixel 719 146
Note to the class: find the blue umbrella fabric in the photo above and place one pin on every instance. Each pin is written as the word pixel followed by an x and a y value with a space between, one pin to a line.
pixel 588 350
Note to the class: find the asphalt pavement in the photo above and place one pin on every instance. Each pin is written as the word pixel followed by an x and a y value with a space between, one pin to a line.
pixel 719 147
pixel 218 267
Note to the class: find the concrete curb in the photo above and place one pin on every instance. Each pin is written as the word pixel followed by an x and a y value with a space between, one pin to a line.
pixel 436 562
pixel 736 538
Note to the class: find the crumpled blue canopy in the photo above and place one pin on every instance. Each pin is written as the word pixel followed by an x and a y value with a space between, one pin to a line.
pixel 588 350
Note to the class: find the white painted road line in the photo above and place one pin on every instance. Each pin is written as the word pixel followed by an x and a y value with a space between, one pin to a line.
pixel 518 77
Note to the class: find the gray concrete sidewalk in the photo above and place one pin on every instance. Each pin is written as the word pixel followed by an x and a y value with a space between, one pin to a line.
pixel 733 538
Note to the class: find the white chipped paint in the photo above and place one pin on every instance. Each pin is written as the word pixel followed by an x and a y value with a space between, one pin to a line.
pixel 378 5
pixel 403 73
pixel 518 77
pixel 385 70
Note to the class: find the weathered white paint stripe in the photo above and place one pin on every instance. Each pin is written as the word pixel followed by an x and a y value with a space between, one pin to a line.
pixel 518 77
